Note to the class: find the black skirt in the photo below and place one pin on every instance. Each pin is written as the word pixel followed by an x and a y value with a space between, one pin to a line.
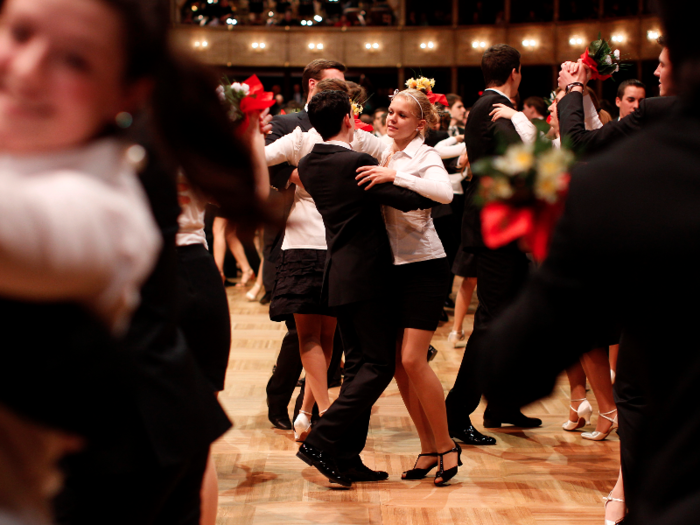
pixel 205 319
pixel 298 284
pixel 421 292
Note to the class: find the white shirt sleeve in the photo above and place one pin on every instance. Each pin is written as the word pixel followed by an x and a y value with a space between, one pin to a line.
pixel 68 236
pixel 590 114
pixel 368 143
pixel 525 128
pixel 432 180
pixel 285 149
pixel 450 148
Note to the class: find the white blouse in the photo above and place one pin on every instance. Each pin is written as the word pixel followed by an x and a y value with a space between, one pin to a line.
pixel 412 234
pixel 76 226
pixel 305 229
pixel 191 219
pixel 528 131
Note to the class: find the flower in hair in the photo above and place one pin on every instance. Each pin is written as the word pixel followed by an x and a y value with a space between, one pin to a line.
pixel 357 108
pixel 421 84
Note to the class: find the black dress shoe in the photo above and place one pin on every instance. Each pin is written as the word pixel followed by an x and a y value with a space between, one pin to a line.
pixel 355 470
pixel 265 299
pixel 324 463
pixel 432 352
pixel 282 422
pixel 515 418
pixel 471 436
pixel 449 303
pixel 443 316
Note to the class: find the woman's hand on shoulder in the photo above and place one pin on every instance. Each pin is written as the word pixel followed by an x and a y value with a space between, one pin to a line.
pixel 501 111
pixel 374 175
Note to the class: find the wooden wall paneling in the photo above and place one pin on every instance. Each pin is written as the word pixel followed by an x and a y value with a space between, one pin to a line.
pixel 649 49
pixel 442 54
pixel 629 30
pixel 465 52
pixel 388 54
pixel 300 53
pixel 587 32
pixel 543 50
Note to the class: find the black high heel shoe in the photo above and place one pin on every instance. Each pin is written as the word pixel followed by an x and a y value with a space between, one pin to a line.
pixel 420 473
pixel 447 475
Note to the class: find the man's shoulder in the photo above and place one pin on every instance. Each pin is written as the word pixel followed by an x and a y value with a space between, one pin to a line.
pixel 290 121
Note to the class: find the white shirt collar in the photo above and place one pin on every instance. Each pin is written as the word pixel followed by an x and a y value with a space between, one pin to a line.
pixel 499 92
pixel 413 146
pixel 338 143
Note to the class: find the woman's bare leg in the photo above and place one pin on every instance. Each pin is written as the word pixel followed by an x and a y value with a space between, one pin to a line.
pixel 464 299
pixel 614 350
pixel 415 410
pixel 316 346
pixel 577 387
pixel 595 364
pixel 236 247
pixel 427 387
pixel 219 248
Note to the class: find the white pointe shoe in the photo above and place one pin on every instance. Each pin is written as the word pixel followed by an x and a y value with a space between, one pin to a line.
pixel 455 337
pixel 302 426
pixel 584 411
pixel 608 499
pixel 600 436
pixel 254 291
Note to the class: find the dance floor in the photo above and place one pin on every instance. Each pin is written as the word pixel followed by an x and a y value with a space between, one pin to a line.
pixel 537 476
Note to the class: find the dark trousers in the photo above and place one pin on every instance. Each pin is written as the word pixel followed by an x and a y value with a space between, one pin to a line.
pixel 631 403
pixel 369 341
pixel 500 276
pixel 284 379
pixel 151 494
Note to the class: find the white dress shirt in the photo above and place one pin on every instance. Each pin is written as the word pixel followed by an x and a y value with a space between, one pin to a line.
pixel 76 226
pixel 412 234
pixel 528 131
pixel 305 228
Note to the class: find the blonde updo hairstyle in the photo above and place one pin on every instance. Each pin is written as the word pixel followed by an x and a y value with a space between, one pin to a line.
pixel 420 102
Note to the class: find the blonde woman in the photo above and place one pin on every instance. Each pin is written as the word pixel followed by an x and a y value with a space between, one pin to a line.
pixel 421 271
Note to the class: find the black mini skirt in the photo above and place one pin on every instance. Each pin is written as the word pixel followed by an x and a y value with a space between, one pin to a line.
pixel 421 290
pixel 298 284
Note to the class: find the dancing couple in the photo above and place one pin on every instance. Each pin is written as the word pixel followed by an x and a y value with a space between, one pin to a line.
pixel 349 189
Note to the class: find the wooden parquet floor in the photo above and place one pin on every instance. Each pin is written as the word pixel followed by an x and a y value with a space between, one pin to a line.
pixel 537 476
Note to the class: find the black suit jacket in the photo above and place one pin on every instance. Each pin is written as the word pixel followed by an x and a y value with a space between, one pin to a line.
pixel 283 125
pixel 359 255
pixel 571 122
pixel 630 213
pixel 484 138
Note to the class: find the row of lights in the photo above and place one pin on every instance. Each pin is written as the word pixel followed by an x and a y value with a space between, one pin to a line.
pixel 476 44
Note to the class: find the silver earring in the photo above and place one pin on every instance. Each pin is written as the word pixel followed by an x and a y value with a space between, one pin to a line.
pixel 124 119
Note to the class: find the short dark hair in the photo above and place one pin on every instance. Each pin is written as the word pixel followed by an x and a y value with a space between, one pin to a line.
pixel 315 68
pixel 452 99
pixel 332 84
pixel 631 82
pixel 538 103
pixel 498 63
pixel 327 110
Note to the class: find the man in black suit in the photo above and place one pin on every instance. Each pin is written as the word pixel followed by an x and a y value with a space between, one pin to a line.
pixel 599 258
pixel 356 283
pixel 500 272
pixel 284 378
pixel 573 78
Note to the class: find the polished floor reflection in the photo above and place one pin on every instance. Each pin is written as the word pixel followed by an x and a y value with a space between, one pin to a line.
pixel 537 476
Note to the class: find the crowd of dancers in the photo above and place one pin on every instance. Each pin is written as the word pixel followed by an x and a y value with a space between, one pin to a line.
pixel 111 146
